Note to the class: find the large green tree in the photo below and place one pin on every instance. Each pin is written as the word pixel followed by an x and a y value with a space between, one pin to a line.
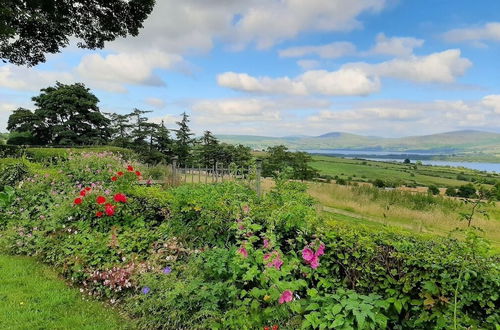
pixel 30 29
pixel 64 115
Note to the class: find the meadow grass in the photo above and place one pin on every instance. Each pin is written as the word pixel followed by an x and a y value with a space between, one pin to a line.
pixel 398 173
pixel 33 297
pixel 416 212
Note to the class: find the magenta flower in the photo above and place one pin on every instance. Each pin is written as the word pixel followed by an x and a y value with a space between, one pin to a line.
pixel 243 252
pixel 266 244
pixel 286 296
pixel 276 263
pixel 315 262
pixel 307 254
pixel 321 250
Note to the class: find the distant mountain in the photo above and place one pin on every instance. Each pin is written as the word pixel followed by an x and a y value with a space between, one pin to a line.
pixel 449 142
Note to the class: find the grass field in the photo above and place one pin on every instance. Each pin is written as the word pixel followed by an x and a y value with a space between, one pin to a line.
pixel 33 297
pixel 414 212
pixel 397 173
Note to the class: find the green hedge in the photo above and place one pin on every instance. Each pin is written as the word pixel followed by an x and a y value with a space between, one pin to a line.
pixel 198 257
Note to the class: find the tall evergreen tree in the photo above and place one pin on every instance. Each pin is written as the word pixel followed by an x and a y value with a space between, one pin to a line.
pixel 184 141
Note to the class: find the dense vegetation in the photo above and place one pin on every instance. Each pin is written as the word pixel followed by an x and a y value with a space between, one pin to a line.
pixel 217 256
pixel 31 29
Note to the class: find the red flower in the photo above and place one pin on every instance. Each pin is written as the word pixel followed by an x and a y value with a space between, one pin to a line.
pixel 83 193
pixel 120 173
pixel 137 173
pixel 110 209
pixel 99 214
pixel 275 327
pixel 130 168
pixel 114 178
pixel 88 188
pixel 78 201
pixel 120 198
pixel 101 200
pixel 267 328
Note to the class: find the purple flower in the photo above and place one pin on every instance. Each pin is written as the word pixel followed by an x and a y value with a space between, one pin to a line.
pixel 167 270
pixel 145 290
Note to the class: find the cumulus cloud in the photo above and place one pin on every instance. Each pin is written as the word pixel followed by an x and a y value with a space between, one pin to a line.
pixel 308 64
pixel 332 50
pixel 22 78
pixel 354 78
pixel 395 46
pixel 134 68
pixel 155 102
pixel 487 32
pixel 234 110
pixel 342 82
pixel 442 67
pixel 492 102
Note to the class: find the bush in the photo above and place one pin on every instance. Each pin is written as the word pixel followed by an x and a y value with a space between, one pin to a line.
pixel 433 190
pixel 452 192
pixel 379 183
pixel 467 191
pixel 216 256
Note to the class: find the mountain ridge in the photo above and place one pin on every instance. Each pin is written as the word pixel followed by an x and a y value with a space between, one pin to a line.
pixel 447 142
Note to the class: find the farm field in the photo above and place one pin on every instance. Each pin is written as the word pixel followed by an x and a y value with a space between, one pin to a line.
pixel 397 173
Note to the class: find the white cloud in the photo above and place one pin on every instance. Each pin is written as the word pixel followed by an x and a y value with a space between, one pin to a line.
pixel 22 78
pixel 155 102
pixel 442 67
pixel 234 110
pixel 126 68
pixel 354 78
pixel 487 32
pixel 308 64
pixel 492 102
pixel 341 82
pixel 333 50
pixel 395 46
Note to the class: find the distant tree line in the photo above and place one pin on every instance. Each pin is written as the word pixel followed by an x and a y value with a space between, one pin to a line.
pixel 68 115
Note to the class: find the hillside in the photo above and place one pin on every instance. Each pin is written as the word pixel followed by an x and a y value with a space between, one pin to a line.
pixel 450 142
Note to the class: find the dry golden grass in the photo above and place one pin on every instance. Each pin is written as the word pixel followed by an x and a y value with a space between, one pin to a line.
pixel 437 219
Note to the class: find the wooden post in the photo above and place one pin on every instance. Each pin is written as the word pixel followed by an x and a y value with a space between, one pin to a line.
pixel 174 170
pixel 199 173
pixel 257 178
pixel 216 173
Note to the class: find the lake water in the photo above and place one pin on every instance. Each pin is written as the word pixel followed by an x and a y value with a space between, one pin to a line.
pixel 413 156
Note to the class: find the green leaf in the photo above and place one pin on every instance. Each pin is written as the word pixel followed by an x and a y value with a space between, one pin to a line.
pixel 336 309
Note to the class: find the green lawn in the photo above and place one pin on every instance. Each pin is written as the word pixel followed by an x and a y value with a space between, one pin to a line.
pixel 33 297
pixel 360 170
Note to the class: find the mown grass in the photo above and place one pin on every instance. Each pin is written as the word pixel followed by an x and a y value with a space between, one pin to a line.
pixel 33 297
pixel 397 173
pixel 416 212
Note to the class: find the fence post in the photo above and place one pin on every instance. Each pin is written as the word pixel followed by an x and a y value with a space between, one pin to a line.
pixel 216 173
pixel 257 178
pixel 174 170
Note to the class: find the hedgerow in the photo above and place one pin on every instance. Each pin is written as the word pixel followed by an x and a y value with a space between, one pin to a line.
pixel 217 256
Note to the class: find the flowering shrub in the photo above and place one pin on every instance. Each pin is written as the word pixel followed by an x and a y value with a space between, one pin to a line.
pixel 216 256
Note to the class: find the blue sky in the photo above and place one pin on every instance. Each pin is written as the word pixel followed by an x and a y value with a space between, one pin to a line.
pixel 286 67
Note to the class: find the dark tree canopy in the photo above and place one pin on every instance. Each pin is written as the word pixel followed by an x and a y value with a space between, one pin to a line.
pixel 64 115
pixel 29 29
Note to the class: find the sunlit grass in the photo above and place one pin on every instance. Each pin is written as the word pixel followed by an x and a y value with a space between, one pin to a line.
pixel 33 297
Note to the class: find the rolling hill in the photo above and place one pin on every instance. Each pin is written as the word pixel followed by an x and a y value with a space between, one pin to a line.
pixel 467 141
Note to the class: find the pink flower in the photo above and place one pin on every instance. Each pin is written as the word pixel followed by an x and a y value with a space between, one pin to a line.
pixel 267 256
pixel 307 254
pixel 321 251
pixel 266 244
pixel 286 296
pixel 243 252
pixel 314 262
pixel 276 263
